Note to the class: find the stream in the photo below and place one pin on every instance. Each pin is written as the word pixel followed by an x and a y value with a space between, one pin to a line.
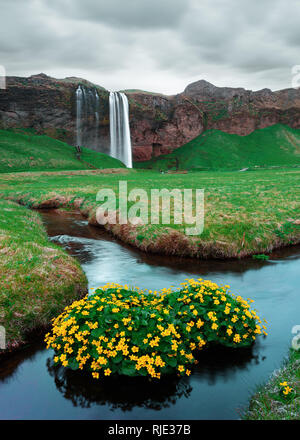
pixel 223 381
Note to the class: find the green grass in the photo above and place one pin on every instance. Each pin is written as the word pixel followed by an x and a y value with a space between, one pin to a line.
pixel 245 213
pixel 268 403
pixel 37 278
pixel 30 152
pixel 278 145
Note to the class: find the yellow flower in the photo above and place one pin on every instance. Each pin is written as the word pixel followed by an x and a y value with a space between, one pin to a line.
pixel 107 372
pixel 237 338
pixel 199 323
pixel 287 390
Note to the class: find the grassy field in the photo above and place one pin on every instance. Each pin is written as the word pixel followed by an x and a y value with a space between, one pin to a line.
pixel 269 403
pixel 278 145
pixel 37 278
pixel 30 152
pixel 245 213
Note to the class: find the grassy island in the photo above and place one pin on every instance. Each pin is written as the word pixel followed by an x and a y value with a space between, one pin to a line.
pixel 37 278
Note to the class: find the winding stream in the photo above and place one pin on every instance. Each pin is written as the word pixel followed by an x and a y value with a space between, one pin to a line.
pixel 32 388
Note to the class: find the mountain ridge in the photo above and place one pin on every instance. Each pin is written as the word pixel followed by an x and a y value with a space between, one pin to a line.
pixel 159 123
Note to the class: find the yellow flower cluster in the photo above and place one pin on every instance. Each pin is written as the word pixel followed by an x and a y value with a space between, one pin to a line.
pixel 286 388
pixel 133 331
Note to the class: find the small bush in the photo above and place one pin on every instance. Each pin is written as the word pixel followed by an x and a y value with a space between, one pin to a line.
pixel 120 330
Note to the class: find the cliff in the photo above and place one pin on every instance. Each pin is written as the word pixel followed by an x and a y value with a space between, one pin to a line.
pixel 48 106
pixel 159 123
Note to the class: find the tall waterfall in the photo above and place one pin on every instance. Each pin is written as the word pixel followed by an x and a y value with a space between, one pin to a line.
pixel 120 142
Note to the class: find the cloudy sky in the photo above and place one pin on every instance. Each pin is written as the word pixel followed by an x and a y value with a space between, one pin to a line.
pixel 156 45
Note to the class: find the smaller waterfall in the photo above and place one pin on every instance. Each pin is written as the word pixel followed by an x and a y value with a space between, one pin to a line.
pixel 87 117
pixel 97 105
pixel 79 105
pixel 120 142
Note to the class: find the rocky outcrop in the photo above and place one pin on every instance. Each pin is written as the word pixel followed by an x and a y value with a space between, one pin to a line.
pixel 158 123
pixel 161 123
pixel 48 106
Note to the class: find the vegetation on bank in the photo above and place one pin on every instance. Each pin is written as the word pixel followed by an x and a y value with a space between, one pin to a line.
pixel 37 278
pixel 279 399
pixel 245 213
pixel 277 145
pixel 132 332
pixel 30 152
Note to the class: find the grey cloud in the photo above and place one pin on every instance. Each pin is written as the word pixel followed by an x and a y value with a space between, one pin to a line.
pixel 285 22
pixel 161 45
pixel 125 13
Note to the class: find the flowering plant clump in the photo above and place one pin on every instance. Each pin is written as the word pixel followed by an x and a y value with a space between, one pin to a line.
pixel 207 313
pixel 286 392
pixel 137 332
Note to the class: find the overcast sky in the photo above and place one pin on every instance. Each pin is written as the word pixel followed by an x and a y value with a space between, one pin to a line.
pixel 155 45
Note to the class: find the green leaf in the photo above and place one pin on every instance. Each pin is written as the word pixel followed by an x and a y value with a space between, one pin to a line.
pixel 96 332
pixel 128 368
pixel 73 364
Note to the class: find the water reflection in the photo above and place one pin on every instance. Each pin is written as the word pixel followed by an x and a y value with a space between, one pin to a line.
pixel 125 393
pixel 118 392
pixel 10 365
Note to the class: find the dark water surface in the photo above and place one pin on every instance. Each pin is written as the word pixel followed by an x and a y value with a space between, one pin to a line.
pixel 32 388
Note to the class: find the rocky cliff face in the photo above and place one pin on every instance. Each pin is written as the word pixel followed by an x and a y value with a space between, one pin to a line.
pixel 159 123
pixel 48 106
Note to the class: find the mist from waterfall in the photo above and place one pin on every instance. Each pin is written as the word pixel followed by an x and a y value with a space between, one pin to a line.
pixel 120 142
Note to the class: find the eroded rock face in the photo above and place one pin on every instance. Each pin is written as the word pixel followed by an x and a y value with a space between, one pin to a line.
pixel 162 123
pixel 48 106
pixel 159 123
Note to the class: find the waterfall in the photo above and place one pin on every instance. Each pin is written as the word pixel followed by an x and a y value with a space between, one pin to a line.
pixel 120 143
pixel 79 102
pixel 97 105
pixel 87 117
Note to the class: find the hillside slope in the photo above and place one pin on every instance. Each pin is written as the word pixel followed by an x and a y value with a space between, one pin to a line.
pixel 271 146
pixel 30 152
